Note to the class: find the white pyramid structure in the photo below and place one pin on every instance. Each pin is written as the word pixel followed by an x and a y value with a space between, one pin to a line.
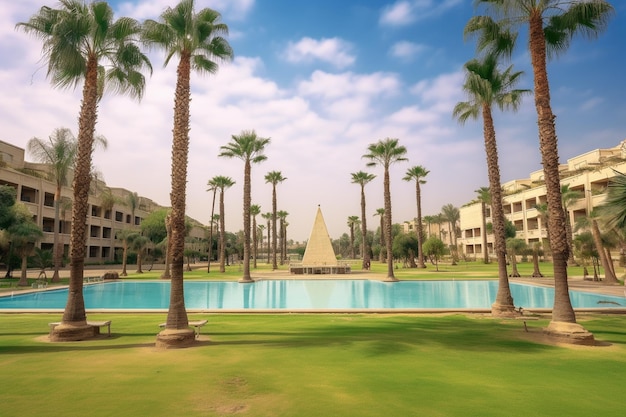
pixel 319 249
pixel 319 256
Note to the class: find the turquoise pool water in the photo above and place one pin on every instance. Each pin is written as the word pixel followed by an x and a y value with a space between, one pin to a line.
pixel 307 295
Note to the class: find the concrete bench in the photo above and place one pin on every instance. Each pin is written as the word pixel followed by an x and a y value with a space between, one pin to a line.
pixel 196 324
pixel 96 324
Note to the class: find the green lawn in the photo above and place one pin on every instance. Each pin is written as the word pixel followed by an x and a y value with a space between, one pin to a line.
pixel 313 365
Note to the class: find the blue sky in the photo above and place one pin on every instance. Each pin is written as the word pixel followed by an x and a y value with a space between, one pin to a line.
pixel 323 79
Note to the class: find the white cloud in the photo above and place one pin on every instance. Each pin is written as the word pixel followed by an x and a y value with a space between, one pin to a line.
pixel 406 12
pixel 406 50
pixel 334 51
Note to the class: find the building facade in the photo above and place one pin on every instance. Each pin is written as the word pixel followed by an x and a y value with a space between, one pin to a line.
pixel 589 174
pixel 108 208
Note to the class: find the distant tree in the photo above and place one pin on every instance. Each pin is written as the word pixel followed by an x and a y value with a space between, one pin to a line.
pixel 405 247
pixel 139 245
pixel 353 221
pixel 58 154
pixel 248 147
pixel 255 210
pixel 385 153
pixel 417 174
pixel 126 236
pixel 514 247
pixel 362 178
pixel 452 216
pixel 434 248
pixel 23 234
pixel 274 178
pixel 382 252
pixel 212 187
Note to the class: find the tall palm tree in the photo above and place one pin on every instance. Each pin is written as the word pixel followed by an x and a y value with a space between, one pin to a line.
pixel 362 178
pixel 212 187
pixel 58 154
pixel 248 147
pixel 417 174
pixel 222 183
pixel 486 86
pixel 126 236
pixel 352 222
pixel 255 210
pixel 268 217
pixel 261 232
pixel 381 253
pixel 452 216
pixel 103 54
pixel 196 39
pixel 384 153
pixel 132 199
pixel 282 216
pixel 274 177
pixel 551 26
pixel 484 197
pixel 568 196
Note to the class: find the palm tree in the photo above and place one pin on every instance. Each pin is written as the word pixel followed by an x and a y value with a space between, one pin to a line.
pixel 381 253
pixel 429 220
pixel 133 202
pixel 386 152
pixel 282 216
pixel 568 196
pixel 352 222
pixel 255 210
pixel 514 246
pixel 139 245
pixel 23 234
pixel 451 215
pixel 268 217
pixel 551 26
pixel 126 236
pixel 363 178
pixel 590 223
pixel 274 177
pixel 486 86
pixel 261 232
pixel 196 39
pixel 484 196
pixel 417 174
pixel 58 153
pixel 248 147
pixel 104 54
pixel 222 183
pixel 212 187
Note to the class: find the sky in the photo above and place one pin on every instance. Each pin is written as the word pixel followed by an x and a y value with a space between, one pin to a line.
pixel 323 80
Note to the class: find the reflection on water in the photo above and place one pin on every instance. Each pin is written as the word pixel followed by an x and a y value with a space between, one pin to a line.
pixel 308 294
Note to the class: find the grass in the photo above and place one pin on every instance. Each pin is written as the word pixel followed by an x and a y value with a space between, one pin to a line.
pixel 313 365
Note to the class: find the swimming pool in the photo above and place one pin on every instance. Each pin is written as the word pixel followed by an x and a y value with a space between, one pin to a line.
pixel 306 295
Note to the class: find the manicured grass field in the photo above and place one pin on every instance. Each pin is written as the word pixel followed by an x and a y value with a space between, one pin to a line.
pixel 313 365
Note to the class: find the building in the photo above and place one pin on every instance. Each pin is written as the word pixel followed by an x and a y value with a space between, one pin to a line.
pixel 589 173
pixel 108 211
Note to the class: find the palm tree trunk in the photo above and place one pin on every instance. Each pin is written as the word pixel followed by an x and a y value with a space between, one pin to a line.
pixel 124 258
pixel 274 236
pixel 57 247
pixel 208 268
pixel 483 207
pixel 609 276
pixel 366 250
pixel 222 233
pixel 255 245
pixel 246 223
pixel 503 305
pixel 562 311
pixel 74 323
pixel 420 231
pixel 177 332
pixel 387 216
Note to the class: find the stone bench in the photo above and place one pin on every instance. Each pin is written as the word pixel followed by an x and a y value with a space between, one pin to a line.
pixel 95 324
pixel 196 324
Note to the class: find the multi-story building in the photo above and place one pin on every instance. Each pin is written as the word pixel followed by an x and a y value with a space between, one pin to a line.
pixel 589 173
pixel 108 208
